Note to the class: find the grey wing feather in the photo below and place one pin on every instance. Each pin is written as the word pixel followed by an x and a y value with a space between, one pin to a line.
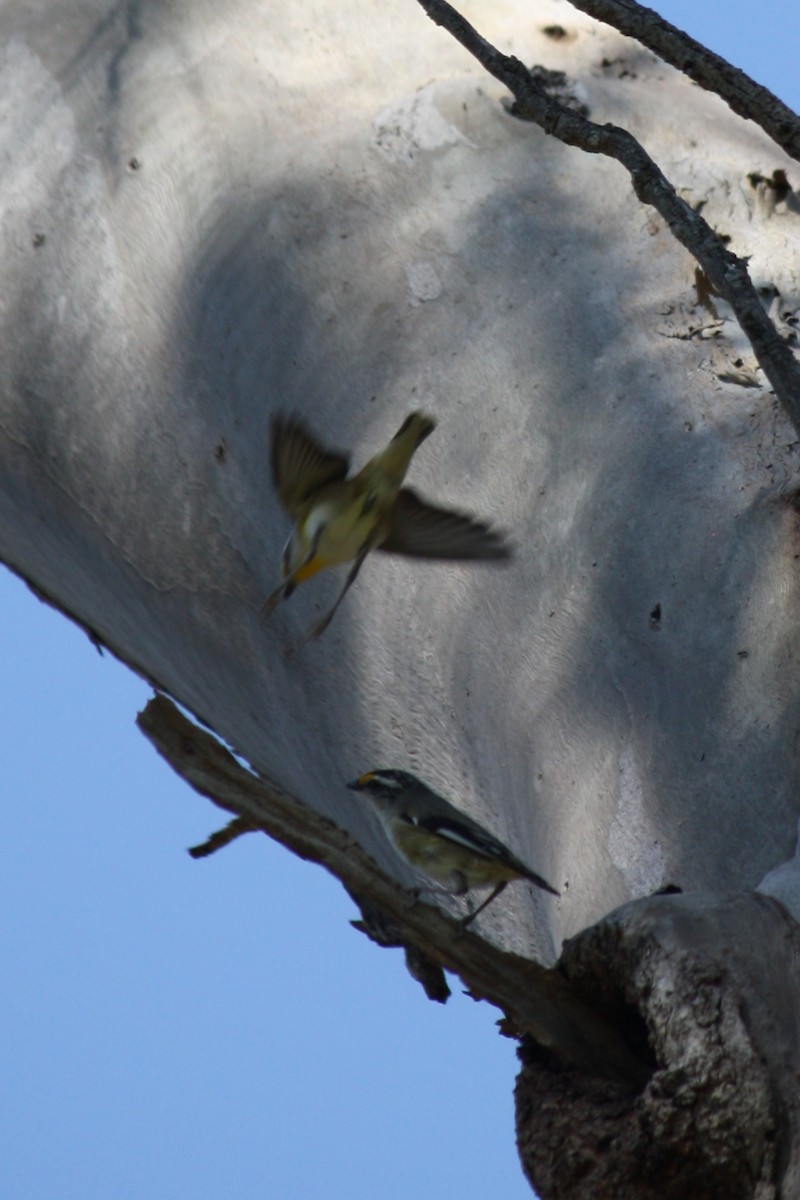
pixel 481 840
pixel 420 529
pixel 300 466
pixel 477 837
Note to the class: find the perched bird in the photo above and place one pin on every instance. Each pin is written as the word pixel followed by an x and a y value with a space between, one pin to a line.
pixel 431 834
pixel 339 520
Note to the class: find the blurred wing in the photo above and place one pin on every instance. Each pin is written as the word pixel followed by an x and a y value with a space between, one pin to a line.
pixel 300 466
pixel 423 531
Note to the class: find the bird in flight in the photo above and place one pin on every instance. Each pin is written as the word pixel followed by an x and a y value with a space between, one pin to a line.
pixel 339 519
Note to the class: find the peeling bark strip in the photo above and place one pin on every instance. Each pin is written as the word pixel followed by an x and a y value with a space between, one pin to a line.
pixel 714 980
pixel 727 272
pixel 535 1000
pixel 742 94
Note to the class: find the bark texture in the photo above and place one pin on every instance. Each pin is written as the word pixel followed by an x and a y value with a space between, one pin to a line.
pixel 727 274
pixel 711 983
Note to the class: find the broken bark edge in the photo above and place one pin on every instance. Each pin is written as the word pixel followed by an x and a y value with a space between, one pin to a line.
pixel 712 983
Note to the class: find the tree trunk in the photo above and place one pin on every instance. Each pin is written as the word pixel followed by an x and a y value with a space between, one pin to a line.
pixel 709 984
pixel 213 214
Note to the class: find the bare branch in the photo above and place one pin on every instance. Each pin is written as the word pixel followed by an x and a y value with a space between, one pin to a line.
pixel 741 93
pixel 727 273
pixel 535 1000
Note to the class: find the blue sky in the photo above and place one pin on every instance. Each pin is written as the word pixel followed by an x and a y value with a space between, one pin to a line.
pixel 203 1029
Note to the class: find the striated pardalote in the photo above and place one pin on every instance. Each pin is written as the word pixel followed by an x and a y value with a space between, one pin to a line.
pixel 339 520
pixel 433 836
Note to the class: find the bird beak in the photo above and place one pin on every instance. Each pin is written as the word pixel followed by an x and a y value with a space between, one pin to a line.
pixel 361 782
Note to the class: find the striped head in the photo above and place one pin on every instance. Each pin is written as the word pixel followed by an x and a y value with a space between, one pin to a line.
pixel 386 782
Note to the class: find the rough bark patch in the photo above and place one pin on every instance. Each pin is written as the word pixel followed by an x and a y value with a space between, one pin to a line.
pixel 713 983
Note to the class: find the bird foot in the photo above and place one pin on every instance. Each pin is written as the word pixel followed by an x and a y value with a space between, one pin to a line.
pixel 272 601
pixel 319 627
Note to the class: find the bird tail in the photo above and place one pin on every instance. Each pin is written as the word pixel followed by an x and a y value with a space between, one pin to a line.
pixel 416 427
pixel 542 883
pixel 395 459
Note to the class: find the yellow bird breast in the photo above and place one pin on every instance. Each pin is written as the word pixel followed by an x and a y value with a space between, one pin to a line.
pixel 336 529
pixel 445 860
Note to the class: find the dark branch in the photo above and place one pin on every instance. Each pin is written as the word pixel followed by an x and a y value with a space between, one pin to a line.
pixel 727 273
pixel 741 93
pixel 223 837
pixel 535 1000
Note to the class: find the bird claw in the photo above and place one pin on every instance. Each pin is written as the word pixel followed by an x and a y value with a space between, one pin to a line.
pixel 319 627
pixel 273 600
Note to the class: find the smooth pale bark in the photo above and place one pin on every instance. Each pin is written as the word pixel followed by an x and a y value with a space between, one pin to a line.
pixel 210 213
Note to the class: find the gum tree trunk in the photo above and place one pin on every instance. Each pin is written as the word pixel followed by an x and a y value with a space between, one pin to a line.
pixel 212 214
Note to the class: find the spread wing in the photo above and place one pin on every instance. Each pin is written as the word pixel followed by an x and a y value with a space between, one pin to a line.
pixel 424 531
pixel 300 466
